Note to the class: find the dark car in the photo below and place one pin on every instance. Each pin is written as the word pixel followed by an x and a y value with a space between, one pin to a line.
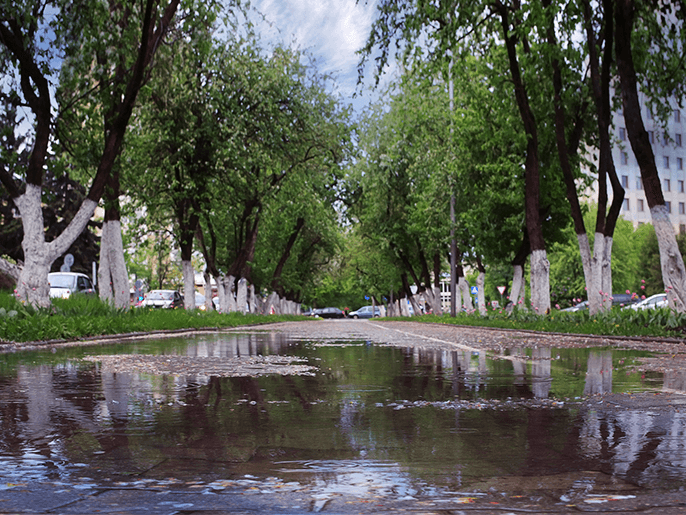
pixel 365 312
pixel 328 313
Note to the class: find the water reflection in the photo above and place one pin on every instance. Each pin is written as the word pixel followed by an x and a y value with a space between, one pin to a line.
pixel 415 419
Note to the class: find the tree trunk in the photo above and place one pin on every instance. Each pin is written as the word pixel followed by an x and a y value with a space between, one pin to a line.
pixel 463 287
pixel 113 278
pixel 600 285
pixel 671 261
pixel 209 305
pixel 112 274
pixel 518 293
pixel 276 277
pixel 540 268
pixel 188 284
pixel 480 281
pixel 32 284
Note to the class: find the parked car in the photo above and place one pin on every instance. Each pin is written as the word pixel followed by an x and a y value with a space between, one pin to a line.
pixel 168 299
pixel 577 307
pixel 63 284
pixel 659 300
pixel 328 313
pixel 365 312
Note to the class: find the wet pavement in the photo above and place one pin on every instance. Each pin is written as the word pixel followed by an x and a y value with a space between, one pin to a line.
pixel 344 417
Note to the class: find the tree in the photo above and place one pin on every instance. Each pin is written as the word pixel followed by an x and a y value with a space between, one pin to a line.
pixel 37 39
pixel 628 14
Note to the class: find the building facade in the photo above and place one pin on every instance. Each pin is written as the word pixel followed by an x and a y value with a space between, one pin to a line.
pixel 670 153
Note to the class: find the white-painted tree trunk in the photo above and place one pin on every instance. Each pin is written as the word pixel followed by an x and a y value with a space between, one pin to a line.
pixel 606 270
pixel 463 286
pixel 588 264
pixel 32 284
pixel 430 297
pixel 481 297
pixel 437 305
pixel 252 299
pixel 517 293
pixel 113 277
pixel 600 290
pixel 221 294
pixel 458 297
pixel 415 305
pixel 229 288
pixel 209 305
pixel 188 284
pixel 540 282
pixel 242 296
pixel 404 310
pixel 671 260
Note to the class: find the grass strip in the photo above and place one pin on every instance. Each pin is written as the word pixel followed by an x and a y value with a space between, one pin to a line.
pixel 616 322
pixel 83 316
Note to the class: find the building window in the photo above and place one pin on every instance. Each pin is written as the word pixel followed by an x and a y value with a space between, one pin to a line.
pixel 682 208
pixel 626 204
pixel 625 158
pixel 668 185
pixel 625 181
pixel 681 186
pixel 622 133
pixel 677 116
pixel 651 137
pixel 665 161
pixel 639 183
pixel 639 204
pixel 677 139
pixel 668 205
pixel 679 163
pixel 682 228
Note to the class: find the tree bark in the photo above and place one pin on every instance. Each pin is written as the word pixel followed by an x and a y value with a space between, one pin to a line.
pixel 540 269
pixel 113 278
pixel 600 287
pixel 188 284
pixel 671 261
pixel 276 277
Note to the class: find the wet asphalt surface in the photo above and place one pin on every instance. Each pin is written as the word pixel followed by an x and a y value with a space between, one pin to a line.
pixel 247 496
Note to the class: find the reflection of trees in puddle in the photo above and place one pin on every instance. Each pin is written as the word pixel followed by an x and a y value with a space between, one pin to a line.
pixel 598 373
pixel 132 423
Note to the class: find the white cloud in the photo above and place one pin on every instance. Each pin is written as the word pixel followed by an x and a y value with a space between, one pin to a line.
pixel 331 30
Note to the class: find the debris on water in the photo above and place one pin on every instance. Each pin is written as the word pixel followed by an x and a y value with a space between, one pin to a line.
pixel 251 366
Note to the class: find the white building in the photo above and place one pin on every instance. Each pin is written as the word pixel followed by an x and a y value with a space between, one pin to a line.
pixel 668 147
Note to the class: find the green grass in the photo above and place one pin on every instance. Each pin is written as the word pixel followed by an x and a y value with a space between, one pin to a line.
pixel 617 322
pixel 84 316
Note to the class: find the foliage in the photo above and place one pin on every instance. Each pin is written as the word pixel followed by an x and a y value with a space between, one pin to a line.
pixel 616 322
pixel 87 316
pixel 635 262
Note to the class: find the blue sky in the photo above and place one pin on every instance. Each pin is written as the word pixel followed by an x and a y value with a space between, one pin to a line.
pixel 331 30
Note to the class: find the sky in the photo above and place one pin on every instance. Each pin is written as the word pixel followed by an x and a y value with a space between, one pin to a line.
pixel 331 30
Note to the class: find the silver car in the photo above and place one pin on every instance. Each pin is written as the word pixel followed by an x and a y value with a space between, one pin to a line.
pixel 659 300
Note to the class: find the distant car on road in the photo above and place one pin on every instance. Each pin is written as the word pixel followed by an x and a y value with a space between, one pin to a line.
pixel 328 313
pixel 63 284
pixel 365 312
pixel 168 299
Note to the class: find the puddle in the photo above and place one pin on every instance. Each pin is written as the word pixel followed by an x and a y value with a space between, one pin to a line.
pixel 362 419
